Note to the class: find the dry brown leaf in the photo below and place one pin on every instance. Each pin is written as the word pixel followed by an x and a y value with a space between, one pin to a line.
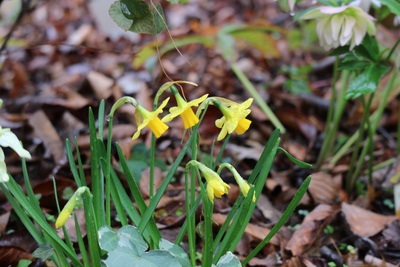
pixel 45 131
pixel 364 222
pixel 310 228
pixel 101 84
pixel 145 181
pixel 322 188
pixel 70 99
pixel 268 209
pixel 253 230
pixel 4 221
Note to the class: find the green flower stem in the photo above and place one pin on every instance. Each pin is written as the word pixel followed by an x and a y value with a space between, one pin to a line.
pixel 208 231
pixel 191 220
pixel 260 101
pixel 157 197
pixel 221 151
pixel 97 177
pixel 355 154
pixel 285 216
pixel 81 243
pixel 183 229
pixel 72 165
pixel 334 116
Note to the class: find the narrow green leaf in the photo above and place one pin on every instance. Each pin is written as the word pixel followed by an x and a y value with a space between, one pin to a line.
pixel 285 216
pixel 294 160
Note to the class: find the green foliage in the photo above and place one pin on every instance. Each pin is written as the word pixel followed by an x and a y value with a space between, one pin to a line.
pixel 24 263
pixel 178 1
pixel 137 16
pixel 44 251
pixel 127 247
pixel 367 81
pixel 140 160
pixel 393 5
pixel 228 260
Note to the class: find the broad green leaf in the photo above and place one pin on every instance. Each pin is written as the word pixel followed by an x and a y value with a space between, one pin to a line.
pixel 159 20
pixel 367 81
pixel 44 251
pixel 159 258
pixel 134 236
pixel 108 239
pixel 175 250
pixel 119 18
pixel 393 5
pixel 24 263
pixel 229 260
pixel 134 10
pixel 353 65
pixel 371 45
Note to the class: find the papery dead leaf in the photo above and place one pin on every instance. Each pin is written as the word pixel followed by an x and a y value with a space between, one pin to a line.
pixel 322 188
pixel 310 228
pixel 364 222
pixel 46 132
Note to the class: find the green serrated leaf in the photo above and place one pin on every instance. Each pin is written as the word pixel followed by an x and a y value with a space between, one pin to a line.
pixel 393 5
pixel 118 17
pixel 353 65
pixel 134 9
pixel 44 251
pixel 294 160
pixel 371 45
pixel 367 81
pixel 229 260
pixel 108 239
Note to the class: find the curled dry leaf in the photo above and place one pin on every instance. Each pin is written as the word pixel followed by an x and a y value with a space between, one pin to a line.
pixel 323 188
pixel 364 222
pixel 310 228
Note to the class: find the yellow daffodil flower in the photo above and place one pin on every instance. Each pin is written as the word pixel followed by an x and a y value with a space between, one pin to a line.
pixel 243 185
pixel 234 118
pixel 146 118
pixel 69 207
pixel 184 109
pixel 215 185
pixel 9 139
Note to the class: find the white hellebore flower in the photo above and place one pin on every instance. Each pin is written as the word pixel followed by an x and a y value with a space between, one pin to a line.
pixel 339 26
pixel 8 139
pixel 366 4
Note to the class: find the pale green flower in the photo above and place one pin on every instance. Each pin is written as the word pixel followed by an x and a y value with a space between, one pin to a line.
pixel 339 26
pixel 9 139
pixel 69 207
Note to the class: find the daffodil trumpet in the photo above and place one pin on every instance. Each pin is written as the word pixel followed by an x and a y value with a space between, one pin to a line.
pixel 184 109
pixel 234 118
pixel 143 116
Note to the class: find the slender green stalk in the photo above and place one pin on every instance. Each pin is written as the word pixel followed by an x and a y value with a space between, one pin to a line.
pixel 192 212
pixel 260 101
pixel 81 243
pixel 190 225
pixel 285 216
pixel 72 165
pixel 208 231
pixel 221 151
pixel 334 116
pixel 97 177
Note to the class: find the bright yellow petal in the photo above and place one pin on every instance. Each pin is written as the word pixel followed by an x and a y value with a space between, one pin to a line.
pixel 157 126
pixel 189 118
pixel 196 102
pixel 139 129
pixel 243 126
pixel 210 192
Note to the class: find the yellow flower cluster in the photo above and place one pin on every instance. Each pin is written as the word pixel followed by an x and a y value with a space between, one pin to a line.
pixel 234 114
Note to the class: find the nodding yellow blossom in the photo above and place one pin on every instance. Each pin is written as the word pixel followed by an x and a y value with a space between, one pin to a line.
pixel 9 139
pixel 146 118
pixel 243 185
pixel 69 207
pixel 234 118
pixel 215 185
pixel 184 109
